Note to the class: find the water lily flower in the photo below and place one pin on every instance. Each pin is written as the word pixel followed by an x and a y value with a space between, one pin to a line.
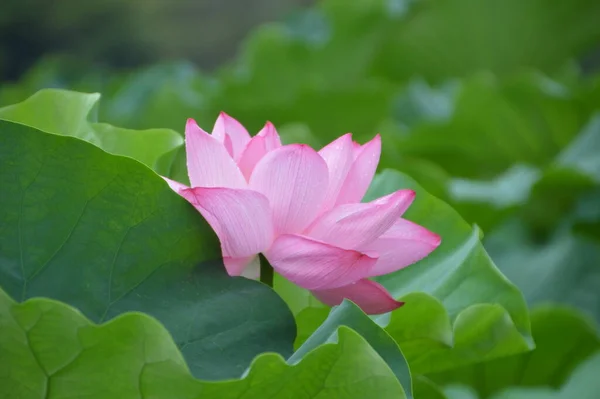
pixel 301 209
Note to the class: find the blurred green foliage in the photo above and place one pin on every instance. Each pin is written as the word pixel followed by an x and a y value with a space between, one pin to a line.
pixel 482 102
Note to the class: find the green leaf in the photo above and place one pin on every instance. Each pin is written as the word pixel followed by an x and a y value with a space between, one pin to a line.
pixel 496 123
pixel 488 202
pixel 459 308
pixel 426 389
pixel 107 235
pixel 162 95
pixel 564 339
pixel 583 384
pixel 568 263
pixel 443 39
pixel 173 165
pixel 350 315
pixel 51 350
pixel 574 174
pixel 308 311
pixel 68 113
pixel 539 196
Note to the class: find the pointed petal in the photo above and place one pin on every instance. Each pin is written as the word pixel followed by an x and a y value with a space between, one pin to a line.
pixel 265 141
pixel 339 158
pixel 360 175
pixel 241 218
pixel 370 296
pixel 402 245
pixel 175 186
pixel 351 226
pixel 272 139
pixel 355 149
pixel 226 126
pixel 317 265
pixel 208 163
pixel 294 179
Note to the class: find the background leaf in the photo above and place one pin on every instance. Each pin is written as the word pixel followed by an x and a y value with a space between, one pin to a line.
pixel 583 384
pixel 442 39
pixel 459 308
pixel 68 113
pixel 564 340
pixel 107 235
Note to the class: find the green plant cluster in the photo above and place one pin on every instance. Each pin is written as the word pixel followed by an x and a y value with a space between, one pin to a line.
pixel 112 286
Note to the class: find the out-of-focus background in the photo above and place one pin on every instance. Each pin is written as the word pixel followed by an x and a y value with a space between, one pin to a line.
pixel 493 106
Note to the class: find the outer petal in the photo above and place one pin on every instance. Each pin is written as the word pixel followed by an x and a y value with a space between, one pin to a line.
pixel 402 245
pixel 241 219
pixel 294 179
pixel 339 157
pixel 226 126
pixel 360 175
pixel 265 141
pixel 354 225
pixel 315 265
pixel 208 163
pixel 372 297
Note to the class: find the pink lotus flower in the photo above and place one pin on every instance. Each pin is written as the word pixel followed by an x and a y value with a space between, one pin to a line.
pixel 302 210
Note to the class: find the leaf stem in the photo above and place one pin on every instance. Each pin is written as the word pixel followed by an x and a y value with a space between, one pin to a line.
pixel 266 271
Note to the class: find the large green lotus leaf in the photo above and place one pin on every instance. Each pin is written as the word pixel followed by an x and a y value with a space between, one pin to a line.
pixel 583 384
pixel 173 165
pixel 68 113
pixel 442 39
pixel 459 308
pixel 564 339
pixel 49 349
pixel 308 311
pixel 107 235
pixel 350 315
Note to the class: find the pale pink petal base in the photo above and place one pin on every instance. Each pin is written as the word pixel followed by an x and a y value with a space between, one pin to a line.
pixel 252 269
pixel 238 266
pixel 370 296
pixel 402 245
pixel 175 186
pixel 316 265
